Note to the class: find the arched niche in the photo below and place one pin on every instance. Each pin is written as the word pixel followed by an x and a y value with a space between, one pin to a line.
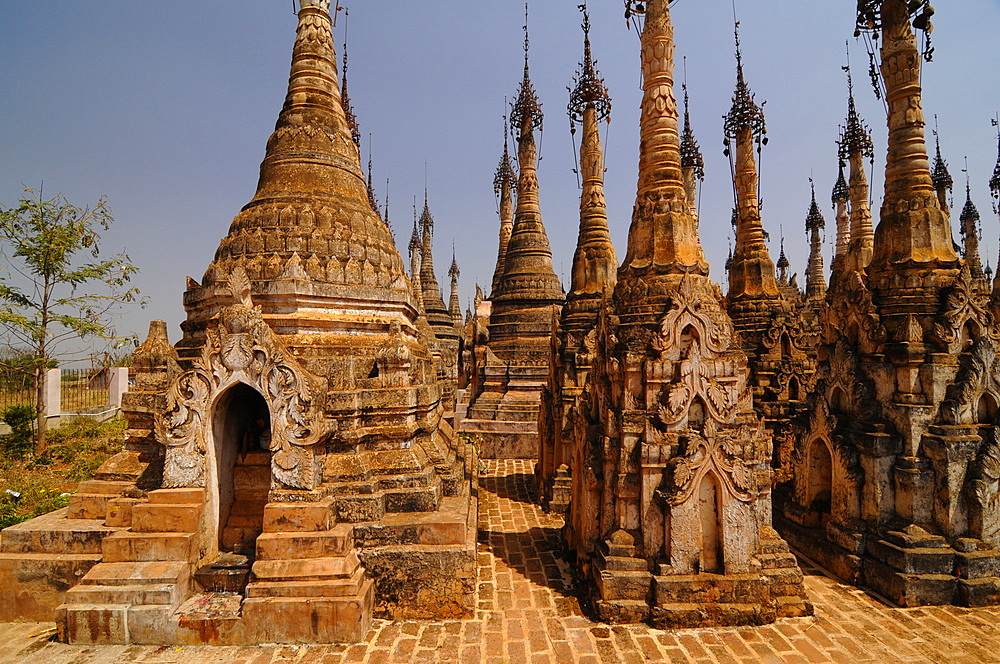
pixel 710 520
pixel 696 414
pixel 986 409
pixel 838 400
pixel 241 432
pixel 785 345
pixel 819 491
pixel 794 389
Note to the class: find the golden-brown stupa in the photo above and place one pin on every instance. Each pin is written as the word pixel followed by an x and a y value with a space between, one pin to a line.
pixel 288 463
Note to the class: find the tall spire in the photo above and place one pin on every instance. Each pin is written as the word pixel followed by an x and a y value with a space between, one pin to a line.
pixel 310 176
pixel 969 223
pixel 839 197
pixel 692 162
pixel 752 271
pixel 371 190
pixel 528 273
pixel 994 185
pixel 504 182
pixel 454 307
pixel 428 281
pixel 663 240
pixel 594 262
pixel 939 174
pixel 418 291
pixel 855 146
pixel 815 282
pixel 352 119
pixel 913 232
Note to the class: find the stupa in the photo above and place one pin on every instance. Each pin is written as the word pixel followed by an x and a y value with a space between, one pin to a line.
pixel 896 472
pixel 513 365
pixel 288 471
pixel 593 280
pixel 670 516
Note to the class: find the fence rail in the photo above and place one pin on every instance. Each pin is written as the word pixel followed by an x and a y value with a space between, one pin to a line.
pixel 67 391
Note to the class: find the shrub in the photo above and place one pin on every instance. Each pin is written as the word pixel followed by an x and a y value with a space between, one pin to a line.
pixel 19 442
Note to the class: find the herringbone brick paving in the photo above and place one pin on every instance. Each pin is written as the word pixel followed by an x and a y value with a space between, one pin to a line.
pixel 529 613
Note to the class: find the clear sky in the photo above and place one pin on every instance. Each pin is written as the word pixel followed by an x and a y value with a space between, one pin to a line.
pixel 165 107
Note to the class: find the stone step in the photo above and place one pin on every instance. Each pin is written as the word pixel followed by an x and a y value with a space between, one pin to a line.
pixel 336 588
pixel 34 584
pixel 228 573
pixel 129 547
pixel 92 624
pixel 89 506
pixel 55 533
pixel 240 539
pixel 145 593
pixel 134 573
pixel 306 568
pixel 448 525
pixel 702 588
pixel 177 496
pixel 119 511
pixel 311 619
pixel 681 615
pixel 777 560
pixel 113 488
pixel 319 544
pixel 212 618
pixel 790 606
pixel 298 517
pixel 166 518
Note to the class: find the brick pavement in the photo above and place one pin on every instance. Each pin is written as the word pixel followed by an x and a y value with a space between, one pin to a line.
pixel 528 613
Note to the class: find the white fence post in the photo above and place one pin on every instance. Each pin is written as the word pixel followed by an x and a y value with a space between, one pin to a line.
pixel 53 392
pixel 117 385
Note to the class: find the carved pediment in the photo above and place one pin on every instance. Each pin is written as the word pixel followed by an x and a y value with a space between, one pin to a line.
pixel 242 348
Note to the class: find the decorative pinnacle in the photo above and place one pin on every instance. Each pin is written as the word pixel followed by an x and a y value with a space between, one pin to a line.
pixel 939 173
pixel 690 152
pixel 969 212
pixel 815 220
pixel 744 114
pixel 352 120
pixel 371 190
pixel 589 88
pixel 855 136
pixel 840 190
pixel 505 175
pixel 995 180
pixel 527 107
pixel 415 237
pixel 782 263
pixel 920 11
pixel 426 220
pixel 453 271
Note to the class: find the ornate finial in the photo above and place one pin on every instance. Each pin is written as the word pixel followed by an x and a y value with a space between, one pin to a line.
pixel 729 259
pixel 782 263
pixel 690 152
pixel 505 174
pixel 527 107
pixel 815 218
pixel 939 173
pixel 352 120
pixel 453 271
pixel 415 237
pixel 840 190
pixel 744 114
pixel 995 180
pixel 969 212
pixel 322 4
pixel 869 19
pixel 371 190
pixel 855 136
pixel 426 220
pixel 589 88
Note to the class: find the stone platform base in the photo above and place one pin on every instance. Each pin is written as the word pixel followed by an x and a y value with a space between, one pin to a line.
pixel 503 440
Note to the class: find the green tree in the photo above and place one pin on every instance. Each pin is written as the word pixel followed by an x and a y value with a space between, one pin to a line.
pixel 55 287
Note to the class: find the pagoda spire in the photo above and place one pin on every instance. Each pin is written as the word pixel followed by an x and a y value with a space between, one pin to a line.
pixel 504 182
pixel 839 197
pixel 692 161
pixel 943 182
pixel 913 233
pixel 371 190
pixel 594 262
pixel 995 191
pixel 428 282
pixel 752 271
pixel 454 307
pixel 528 273
pixel 415 261
pixel 663 242
pixel 815 282
pixel 352 119
pixel 311 174
pixel 855 146
pixel 969 223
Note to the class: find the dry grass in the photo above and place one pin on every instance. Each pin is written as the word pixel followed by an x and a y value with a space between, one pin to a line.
pixel 74 452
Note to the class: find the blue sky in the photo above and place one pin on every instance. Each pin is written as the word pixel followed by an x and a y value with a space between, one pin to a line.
pixel 166 107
